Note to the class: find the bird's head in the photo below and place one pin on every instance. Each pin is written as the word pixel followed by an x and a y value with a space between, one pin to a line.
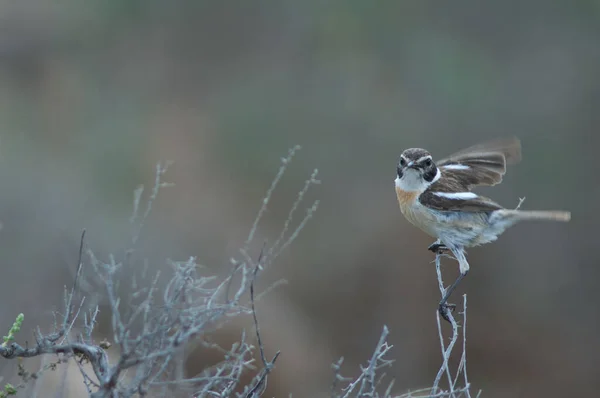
pixel 416 170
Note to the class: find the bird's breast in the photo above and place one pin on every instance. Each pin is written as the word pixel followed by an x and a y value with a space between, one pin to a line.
pixel 415 212
pixel 406 198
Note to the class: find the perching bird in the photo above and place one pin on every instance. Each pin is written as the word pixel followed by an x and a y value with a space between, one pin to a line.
pixel 437 198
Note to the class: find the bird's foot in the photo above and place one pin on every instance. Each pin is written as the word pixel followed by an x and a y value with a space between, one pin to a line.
pixel 445 309
pixel 438 248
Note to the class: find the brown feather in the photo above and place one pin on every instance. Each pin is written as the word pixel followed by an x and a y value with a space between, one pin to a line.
pixel 509 147
pixel 480 204
pixel 487 164
pixel 464 180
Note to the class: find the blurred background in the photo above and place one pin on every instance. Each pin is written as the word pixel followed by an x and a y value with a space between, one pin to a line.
pixel 93 94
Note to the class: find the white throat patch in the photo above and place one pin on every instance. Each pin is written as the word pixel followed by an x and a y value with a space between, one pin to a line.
pixel 412 181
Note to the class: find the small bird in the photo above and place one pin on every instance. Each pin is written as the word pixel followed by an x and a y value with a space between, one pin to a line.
pixel 437 198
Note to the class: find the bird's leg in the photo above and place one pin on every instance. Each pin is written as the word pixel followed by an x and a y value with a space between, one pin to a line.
pixel 444 307
pixel 438 247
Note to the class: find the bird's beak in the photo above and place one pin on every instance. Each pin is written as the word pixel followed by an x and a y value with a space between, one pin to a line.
pixel 411 165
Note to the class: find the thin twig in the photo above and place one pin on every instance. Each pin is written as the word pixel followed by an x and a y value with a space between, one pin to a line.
pixel 462 366
pixel 284 163
pixel 79 261
pixel 521 200
pixel 366 379
pixel 258 338
pixel 447 350
pixel 69 304
pixel 311 181
pixel 337 377
pixel 261 383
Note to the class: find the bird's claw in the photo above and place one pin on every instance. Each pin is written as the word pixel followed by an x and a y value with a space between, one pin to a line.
pixel 445 309
pixel 438 248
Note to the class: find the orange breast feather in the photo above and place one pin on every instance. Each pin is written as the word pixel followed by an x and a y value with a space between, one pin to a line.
pixel 414 212
pixel 406 198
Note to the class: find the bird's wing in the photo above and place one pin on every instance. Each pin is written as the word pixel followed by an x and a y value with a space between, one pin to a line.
pixel 482 164
pixel 457 202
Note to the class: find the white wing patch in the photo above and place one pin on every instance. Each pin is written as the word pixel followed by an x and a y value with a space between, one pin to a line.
pixel 456 195
pixel 456 167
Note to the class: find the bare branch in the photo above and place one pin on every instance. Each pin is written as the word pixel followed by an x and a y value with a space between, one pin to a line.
pixel 154 322
pixel 261 383
pixel 453 389
pixel 284 163
pixel 367 382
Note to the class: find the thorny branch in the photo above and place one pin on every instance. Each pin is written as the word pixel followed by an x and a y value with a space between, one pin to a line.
pixel 368 381
pixel 370 378
pixel 153 324
pixel 260 383
pixel 453 389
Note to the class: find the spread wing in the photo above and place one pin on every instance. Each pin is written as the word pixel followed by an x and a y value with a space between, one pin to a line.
pixel 482 164
pixel 457 201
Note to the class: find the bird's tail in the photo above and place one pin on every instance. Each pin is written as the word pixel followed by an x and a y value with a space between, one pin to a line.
pixel 548 215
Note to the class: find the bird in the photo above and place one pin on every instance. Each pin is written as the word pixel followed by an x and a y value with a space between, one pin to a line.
pixel 437 197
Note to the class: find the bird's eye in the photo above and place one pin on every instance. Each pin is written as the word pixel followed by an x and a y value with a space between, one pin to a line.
pixel 402 162
pixel 427 162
